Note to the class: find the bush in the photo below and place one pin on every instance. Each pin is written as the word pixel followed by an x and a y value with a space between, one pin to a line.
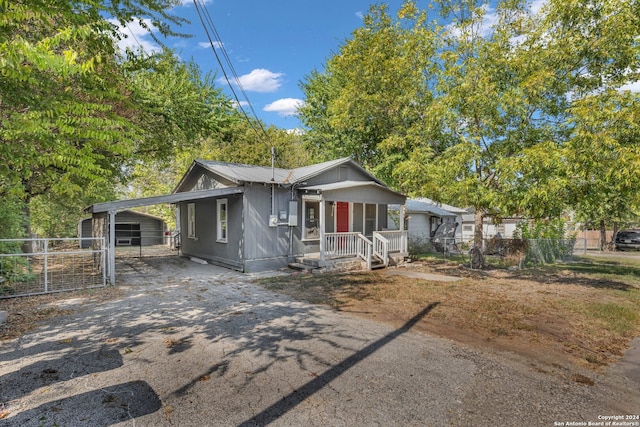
pixel 547 241
pixel 12 268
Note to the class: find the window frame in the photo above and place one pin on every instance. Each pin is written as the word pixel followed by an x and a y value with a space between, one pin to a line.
pixel 191 220
pixel 305 219
pixel 222 225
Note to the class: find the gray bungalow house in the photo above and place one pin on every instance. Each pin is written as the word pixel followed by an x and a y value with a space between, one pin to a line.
pixel 254 218
pixel 262 218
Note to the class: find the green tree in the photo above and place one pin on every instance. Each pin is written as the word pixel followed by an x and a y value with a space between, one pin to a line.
pixel 491 119
pixel 603 159
pixel 74 112
pixel 371 92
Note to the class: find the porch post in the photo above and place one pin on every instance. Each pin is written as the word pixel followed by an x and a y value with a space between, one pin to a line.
pixel 321 225
pixel 404 241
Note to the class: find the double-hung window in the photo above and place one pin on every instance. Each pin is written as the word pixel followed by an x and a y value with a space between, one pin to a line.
pixel 191 220
pixel 221 215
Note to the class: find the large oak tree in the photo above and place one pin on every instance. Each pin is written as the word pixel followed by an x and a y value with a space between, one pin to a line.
pixel 78 114
pixel 480 107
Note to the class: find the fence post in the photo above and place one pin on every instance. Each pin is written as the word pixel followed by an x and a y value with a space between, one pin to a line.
pixel 46 265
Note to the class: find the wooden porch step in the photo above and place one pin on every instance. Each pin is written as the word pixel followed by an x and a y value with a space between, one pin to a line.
pixel 377 265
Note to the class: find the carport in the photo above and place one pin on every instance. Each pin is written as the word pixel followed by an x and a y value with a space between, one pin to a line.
pixel 103 223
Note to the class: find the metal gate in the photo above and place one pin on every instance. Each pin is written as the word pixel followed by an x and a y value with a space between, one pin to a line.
pixel 40 266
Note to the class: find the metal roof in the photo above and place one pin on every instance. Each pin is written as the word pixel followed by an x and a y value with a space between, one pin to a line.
pixel 239 173
pixel 155 200
pixel 418 206
pixel 444 206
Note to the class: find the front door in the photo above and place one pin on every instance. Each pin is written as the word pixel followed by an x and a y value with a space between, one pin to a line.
pixel 342 217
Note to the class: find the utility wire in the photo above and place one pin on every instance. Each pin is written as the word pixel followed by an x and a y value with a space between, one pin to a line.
pixel 208 25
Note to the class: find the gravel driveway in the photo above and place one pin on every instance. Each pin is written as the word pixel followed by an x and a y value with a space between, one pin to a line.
pixel 198 345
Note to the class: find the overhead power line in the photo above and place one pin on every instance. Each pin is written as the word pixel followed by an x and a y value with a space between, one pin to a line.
pixel 209 28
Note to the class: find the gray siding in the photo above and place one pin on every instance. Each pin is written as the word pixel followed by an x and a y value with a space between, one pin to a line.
pixel 342 173
pixel 202 179
pixel 261 241
pixel 204 245
pixel 363 194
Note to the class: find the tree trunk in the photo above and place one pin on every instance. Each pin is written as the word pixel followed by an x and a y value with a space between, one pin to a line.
pixel 603 235
pixel 478 229
pixel 27 246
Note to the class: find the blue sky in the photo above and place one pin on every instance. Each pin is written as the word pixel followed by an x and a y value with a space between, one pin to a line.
pixel 272 45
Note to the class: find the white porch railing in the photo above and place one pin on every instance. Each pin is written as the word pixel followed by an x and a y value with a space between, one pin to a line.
pixel 338 245
pixel 398 240
pixel 342 244
pixel 381 248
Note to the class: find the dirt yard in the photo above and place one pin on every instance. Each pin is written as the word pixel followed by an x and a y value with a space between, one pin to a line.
pixel 582 313
pixel 156 348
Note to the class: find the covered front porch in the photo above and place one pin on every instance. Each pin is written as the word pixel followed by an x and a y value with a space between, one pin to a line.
pixel 349 223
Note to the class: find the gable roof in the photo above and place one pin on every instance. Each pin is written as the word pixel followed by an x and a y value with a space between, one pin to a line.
pixel 241 173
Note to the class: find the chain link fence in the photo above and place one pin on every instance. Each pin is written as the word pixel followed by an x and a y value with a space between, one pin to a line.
pixel 503 252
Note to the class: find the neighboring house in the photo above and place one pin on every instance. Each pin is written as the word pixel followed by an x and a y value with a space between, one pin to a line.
pixel 254 218
pixel 131 229
pixel 505 229
pixel 423 216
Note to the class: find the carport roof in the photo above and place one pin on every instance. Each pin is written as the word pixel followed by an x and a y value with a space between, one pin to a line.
pixel 157 200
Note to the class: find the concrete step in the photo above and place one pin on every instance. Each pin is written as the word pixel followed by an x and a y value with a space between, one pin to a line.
pixel 302 267
pixel 313 262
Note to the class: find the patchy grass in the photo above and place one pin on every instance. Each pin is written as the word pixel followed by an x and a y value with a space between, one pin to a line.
pixel 584 312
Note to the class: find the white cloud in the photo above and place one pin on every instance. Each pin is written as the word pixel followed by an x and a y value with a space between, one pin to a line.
pixel 631 87
pixel 285 106
pixel 261 80
pixel 136 37
pixel 359 15
pixel 537 5
pixel 207 45
pixel 490 19
pixel 190 2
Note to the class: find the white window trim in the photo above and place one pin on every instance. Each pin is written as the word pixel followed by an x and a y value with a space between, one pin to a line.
pixel 304 219
pixel 191 220
pixel 219 222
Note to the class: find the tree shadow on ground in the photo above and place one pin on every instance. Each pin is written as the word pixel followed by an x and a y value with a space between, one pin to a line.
pixel 97 408
pixel 46 372
pixel 172 306
pixel 287 403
